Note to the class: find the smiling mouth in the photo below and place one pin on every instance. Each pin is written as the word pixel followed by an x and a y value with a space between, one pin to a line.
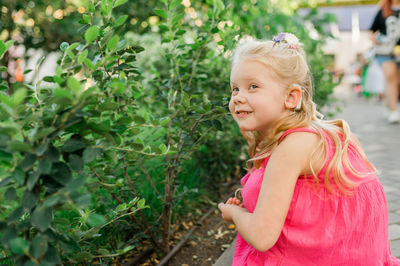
pixel 242 114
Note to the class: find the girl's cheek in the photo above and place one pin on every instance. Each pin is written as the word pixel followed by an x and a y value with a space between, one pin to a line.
pixel 232 108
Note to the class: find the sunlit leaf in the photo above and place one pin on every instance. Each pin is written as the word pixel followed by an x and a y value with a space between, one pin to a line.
pixel 91 34
pixel 120 2
pixel 121 20
pixel 160 12
pixel 113 42
pixel 74 84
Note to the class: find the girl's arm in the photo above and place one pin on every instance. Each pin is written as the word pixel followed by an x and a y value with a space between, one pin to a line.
pixel 288 161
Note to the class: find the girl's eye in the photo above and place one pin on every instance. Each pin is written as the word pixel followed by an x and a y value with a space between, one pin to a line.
pixel 235 89
pixel 253 86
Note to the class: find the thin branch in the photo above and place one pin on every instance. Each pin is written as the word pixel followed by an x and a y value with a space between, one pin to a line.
pixel 144 170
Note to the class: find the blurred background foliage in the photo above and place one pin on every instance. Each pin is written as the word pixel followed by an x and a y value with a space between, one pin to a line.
pixel 137 112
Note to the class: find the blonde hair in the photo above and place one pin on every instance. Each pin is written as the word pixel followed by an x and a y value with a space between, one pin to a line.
pixel 289 64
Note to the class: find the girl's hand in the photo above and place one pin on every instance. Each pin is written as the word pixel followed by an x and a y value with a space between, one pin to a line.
pixel 228 210
pixel 235 201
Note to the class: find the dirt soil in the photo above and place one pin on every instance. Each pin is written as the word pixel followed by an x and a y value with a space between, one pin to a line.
pixel 208 241
pixel 205 245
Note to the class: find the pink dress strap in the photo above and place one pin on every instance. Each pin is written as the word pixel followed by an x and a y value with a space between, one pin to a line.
pixel 299 129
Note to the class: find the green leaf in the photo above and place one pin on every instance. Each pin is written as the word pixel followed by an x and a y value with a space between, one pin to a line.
pixel 86 18
pixel 19 96
pixel 103 251
pixel 137 146
pixel 89 154
pixel 49 79
pixel 52 256
pixel 58 79
pixel 95 219
pixel 88 63
pixel 28 161
pixel 91 34
pixel 121 20
pixel 11 194
pixel 15 215
pixel 141 204
pixel 3 69
pixel 6 99
pixel 84 256
pixel 73 145
pixel 82 56
pixel 45 166
pixel 19 245
pixel 63 93
pixel 76 183
pixel 43 132
pixel 121 207
pixel 61 173
pixel 8 234
pixel 174 4
pixel 38 246
pixel 53 154
pixel 32 179
pixel 84 200
pixel 41 217
pixel 91 7
pixel 138 119
pixel 160 12
pixel 28 200
pixel 164 121
pixel 5 181
pixel 19 146
pixel 3 49
pixel 75 162
pixel 100 128
pixel 51 201
pixel 40 60
pixel 19 176
pixel 162 147
pixel 112 43
pixel 125 250
pixel 120 2
pixel 5 46
pixel 74 84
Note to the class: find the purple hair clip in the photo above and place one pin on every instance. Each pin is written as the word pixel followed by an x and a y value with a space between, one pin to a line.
pixel 280 37
pixel 288 38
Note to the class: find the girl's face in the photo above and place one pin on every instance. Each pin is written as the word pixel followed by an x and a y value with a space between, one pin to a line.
pixel 258 98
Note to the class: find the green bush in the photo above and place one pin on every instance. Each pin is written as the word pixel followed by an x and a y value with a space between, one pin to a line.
pixel 134 132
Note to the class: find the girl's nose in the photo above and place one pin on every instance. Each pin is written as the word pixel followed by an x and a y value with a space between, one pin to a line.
pixel 239 98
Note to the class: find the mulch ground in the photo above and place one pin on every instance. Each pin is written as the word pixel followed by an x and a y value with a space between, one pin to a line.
pixel 205 245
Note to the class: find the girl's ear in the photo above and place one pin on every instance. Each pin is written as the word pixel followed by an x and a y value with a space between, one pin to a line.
pixel 293 97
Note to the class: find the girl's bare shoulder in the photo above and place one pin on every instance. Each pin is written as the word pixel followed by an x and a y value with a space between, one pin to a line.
pixel 304 145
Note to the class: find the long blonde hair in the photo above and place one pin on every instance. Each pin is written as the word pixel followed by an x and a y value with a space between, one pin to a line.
pixel 289 64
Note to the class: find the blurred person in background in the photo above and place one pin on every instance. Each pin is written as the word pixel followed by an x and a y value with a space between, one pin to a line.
pixel 386 36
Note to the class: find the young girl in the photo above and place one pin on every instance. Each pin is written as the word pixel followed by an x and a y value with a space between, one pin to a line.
pixel 311 196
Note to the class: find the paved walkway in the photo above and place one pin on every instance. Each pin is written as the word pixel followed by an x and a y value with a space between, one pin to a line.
pixel 381 143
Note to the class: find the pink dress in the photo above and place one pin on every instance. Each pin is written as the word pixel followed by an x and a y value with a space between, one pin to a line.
pixel 321 228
